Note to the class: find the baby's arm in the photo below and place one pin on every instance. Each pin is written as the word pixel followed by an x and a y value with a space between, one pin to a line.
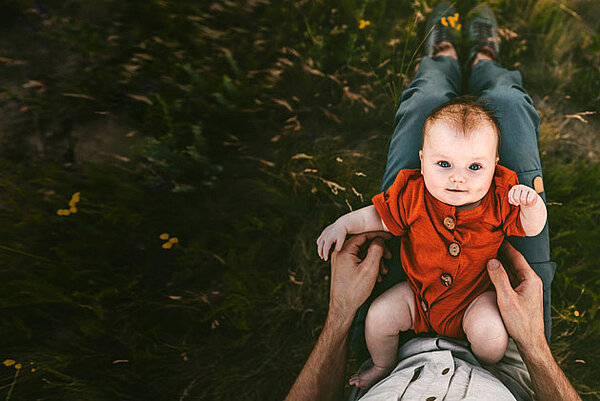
pixel 532 209
pixel 359 221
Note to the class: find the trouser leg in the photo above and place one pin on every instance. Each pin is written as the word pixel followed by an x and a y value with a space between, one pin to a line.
pixel 438 79
pixel 519 130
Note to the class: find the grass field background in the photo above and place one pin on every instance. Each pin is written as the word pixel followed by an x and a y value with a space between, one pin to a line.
pixel 240 129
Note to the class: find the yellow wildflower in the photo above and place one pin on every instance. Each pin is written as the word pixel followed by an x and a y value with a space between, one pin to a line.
pixel 164 236
pixel 75 196
pixel 452 21
pixel 72 203
pixel 18 366
pixel 167 245
pixel 9 362
pixel 63 212
pixel 576 313
pixel 33 370
pixel 73 209
pixel 174 240
pixel 363 24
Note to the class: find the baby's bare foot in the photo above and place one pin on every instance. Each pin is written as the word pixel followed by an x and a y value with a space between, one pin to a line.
pixel 367 378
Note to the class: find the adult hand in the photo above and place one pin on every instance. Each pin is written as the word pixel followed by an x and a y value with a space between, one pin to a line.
pixel 353 278
pixel 522 307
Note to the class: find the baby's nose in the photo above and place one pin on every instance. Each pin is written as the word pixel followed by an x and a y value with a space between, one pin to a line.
pixel 459 179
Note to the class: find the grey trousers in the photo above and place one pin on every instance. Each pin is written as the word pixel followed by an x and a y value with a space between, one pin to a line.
pixel 437 80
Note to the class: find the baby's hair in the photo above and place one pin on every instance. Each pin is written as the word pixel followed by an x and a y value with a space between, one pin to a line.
pixel 465 114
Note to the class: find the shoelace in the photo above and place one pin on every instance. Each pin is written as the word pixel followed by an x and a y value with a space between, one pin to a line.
pixel 441 34
pixel 482 29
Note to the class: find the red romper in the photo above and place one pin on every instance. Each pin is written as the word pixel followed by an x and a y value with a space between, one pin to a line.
pixel 444 251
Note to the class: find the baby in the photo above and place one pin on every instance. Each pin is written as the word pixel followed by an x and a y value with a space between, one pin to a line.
pixel 452 213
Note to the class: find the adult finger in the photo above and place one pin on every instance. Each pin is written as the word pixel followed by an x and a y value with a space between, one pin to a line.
pixel 382 267
pixel 362 238
pixel 499 278
pixel 387 254
pixel 354 243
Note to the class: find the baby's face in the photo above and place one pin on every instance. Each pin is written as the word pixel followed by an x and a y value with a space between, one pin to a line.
pixel 458 170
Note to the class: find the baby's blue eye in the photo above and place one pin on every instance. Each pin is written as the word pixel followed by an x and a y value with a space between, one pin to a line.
pixel 443 164
pixel 475 166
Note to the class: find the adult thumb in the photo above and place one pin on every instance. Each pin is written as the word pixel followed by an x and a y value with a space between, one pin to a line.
pixel 499 277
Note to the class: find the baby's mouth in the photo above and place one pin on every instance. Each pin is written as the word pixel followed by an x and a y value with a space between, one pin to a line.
pixel 456 190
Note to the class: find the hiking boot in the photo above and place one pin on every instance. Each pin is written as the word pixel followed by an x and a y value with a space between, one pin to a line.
pixel 440 30
pixel 482 34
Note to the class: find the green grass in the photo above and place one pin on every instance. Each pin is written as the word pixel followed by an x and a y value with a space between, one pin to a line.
pixel 252 125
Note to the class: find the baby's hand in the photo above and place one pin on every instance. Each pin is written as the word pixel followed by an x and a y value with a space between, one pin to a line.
pixel 522 195
pixel 335 232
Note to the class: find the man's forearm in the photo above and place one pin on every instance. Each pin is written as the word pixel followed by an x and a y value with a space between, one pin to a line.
pixel 549 381
pixel 322 377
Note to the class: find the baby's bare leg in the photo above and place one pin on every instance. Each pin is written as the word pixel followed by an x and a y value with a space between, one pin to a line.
pixel 484 328
pixel 392 312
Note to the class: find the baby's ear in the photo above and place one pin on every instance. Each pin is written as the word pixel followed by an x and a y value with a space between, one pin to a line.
pixel 497 158
pixel 421 159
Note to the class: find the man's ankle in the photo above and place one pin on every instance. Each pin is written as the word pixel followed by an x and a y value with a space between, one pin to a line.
pixel 446 49
pixel 479 57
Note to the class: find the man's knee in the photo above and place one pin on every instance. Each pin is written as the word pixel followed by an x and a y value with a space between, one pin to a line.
pixel 422 100
pixel 508 100
pixel 519 126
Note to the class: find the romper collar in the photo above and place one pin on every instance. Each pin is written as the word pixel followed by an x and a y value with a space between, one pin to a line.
pixel 464 215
